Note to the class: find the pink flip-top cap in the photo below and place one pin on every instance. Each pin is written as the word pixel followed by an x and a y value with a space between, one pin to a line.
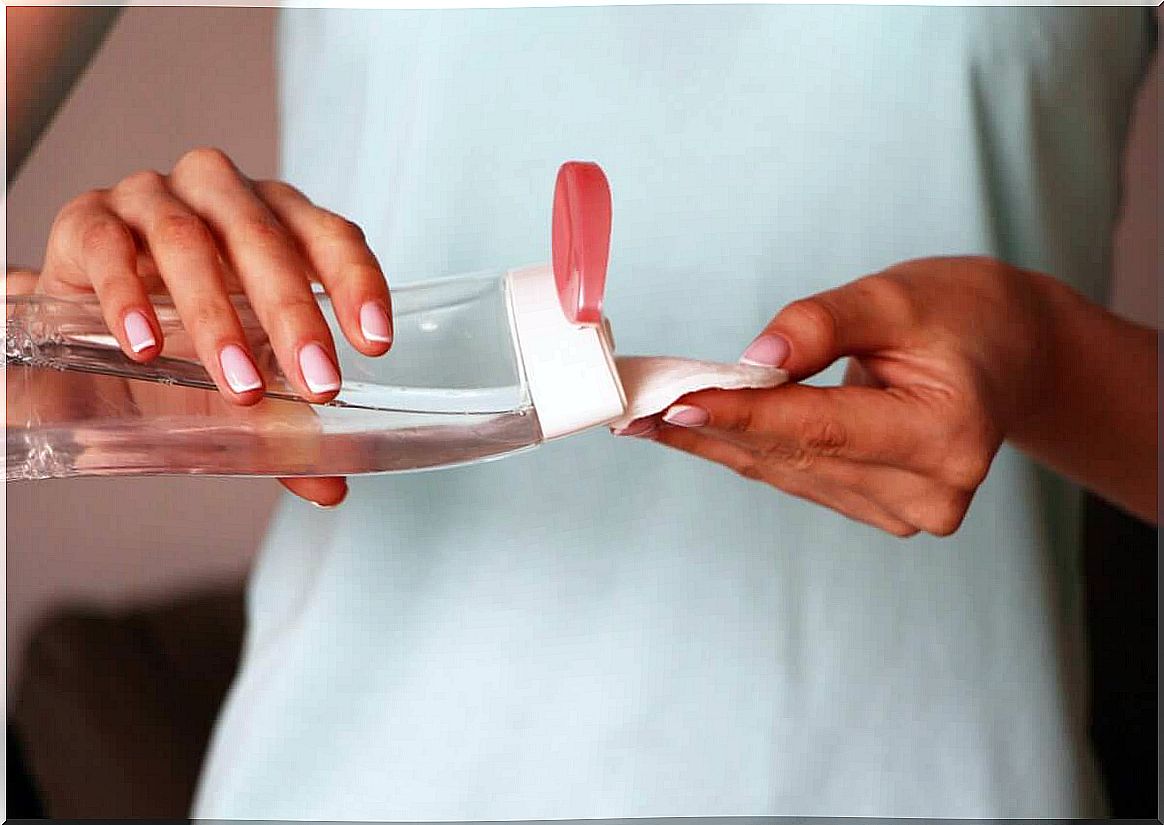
pixel 581 240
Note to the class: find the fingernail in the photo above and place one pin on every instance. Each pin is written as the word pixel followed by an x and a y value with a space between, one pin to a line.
pixel 138 331
pixel 343 497
pixel 238 369
pixel 318 371
pixel 636 428
pixel 767 351
pixel 374 323
pixel 684 415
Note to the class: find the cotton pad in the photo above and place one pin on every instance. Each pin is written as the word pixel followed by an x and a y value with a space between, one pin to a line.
pixel 652 384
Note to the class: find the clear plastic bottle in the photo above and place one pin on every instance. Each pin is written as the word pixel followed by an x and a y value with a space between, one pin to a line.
pixel 482 366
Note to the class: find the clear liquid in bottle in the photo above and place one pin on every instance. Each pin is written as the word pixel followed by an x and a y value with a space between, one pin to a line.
pixel 451 391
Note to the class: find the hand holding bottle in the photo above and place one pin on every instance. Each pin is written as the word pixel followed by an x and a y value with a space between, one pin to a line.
pixel 203 232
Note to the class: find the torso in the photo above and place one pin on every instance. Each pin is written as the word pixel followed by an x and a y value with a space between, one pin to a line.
pixel 602 628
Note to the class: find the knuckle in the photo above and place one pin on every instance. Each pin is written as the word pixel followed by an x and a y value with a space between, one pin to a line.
pixel 960 437
pixel 792 455
pixel 892 295
pixel 301 308
pixel 813 438
pixel 744 420
pixel 83 203
pixel 106 237
pixel 817 317
pixel 262 231
pixel 294 316
pixel 822 436
pixel 147 180
pixel 945 515
pixel 364 275
pixel 206 158
pixel 182 232
pixel 208 314
pixel 76 214
pixel 751 470
pixel 800 459
pixel 966 470
pixel 337 229
pixel 967 459
pixel 901 530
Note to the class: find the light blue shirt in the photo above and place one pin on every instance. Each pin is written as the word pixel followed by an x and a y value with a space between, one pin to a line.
pixel 605 628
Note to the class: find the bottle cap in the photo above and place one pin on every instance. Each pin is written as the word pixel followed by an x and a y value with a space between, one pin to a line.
pixel 581 240
pixel 569 368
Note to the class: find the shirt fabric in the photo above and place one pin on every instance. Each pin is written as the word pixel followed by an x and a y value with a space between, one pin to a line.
pixel 606 628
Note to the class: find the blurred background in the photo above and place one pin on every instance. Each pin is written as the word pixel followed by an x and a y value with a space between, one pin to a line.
pixel 166 80
pixel 122 551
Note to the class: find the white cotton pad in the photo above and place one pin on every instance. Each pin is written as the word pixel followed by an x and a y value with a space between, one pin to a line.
pixel 652 384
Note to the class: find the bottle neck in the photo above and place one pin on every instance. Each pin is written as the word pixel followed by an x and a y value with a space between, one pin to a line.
pixel 570 369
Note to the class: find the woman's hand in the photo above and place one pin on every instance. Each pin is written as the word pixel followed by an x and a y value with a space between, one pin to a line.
pixel 947 357
pixel 205 231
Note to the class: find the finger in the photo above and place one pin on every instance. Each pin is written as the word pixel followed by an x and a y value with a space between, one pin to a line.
pixel 801 422
pixel 919 501
pixel 926 504
pixel 189 264
pixel 336 249
pixel 873 313
pixel 639 427
pixel 264 256
pixel 932 507
pixel 320 491
pixel 91 245
pixel 750 465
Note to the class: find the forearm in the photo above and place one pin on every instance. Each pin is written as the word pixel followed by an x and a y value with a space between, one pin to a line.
pixel 48 48
pixel 1095 419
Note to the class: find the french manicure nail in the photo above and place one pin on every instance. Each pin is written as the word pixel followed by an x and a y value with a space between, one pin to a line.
pixel 374 323
pixel 767 351
pixel 637 428
pixel 685 415
pixel 318 370
pixel 238 369
pixel 331 506
pixel 138 331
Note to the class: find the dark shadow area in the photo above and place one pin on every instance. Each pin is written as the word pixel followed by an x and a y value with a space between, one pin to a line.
pixel 1121 559
pixel 113 711
pixel 23 799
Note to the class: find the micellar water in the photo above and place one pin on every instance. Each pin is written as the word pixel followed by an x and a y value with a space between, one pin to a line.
pixel 482 365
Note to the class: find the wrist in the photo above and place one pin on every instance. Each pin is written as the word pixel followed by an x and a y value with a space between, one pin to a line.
pixel 1020 347
pixel 1081 350
pixel 1095 416
pixel 1051 305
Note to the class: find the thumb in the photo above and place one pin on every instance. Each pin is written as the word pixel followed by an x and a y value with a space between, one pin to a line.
pixel 810 334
